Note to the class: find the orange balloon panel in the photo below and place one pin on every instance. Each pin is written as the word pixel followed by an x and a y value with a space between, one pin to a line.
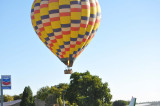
pixel 66 26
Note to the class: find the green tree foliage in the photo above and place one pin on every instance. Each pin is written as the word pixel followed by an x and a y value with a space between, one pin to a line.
pixel 120 103
pixel 88 90
pixel 52 95
pixel 53 99
pixel 63 86
pixel 16 97
pixel 7 98
pixel 43 93
pixel 27 98
pixel 55 94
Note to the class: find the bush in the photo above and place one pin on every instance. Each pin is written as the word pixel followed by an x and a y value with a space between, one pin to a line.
pixel 16 97
pixel 8 98
pixel 120 103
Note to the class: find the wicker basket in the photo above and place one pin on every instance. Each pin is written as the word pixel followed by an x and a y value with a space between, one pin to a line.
pixel 68 71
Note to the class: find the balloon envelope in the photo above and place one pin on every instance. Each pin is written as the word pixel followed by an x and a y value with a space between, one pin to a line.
pixel 66 26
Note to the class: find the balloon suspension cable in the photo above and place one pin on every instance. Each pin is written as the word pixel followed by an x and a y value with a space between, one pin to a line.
pixel 68 67
pixel 68 70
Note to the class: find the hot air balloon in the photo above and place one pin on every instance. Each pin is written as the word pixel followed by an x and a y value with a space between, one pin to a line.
pixel 66 27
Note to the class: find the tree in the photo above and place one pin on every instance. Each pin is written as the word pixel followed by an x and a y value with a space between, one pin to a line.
pixel 43 93
pixel 16 97
pixel 63 86
pixel 27 97
pixel 88 90
pixel 120 103
pixel 55 94
pixel 53 99
pixel 7 98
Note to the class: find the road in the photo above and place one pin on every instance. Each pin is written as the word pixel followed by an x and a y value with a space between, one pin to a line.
pixel 10 103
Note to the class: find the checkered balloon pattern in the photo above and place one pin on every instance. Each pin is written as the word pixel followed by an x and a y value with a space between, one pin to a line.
pixel 66 26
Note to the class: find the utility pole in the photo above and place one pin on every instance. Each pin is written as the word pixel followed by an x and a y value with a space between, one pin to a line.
pixel 63 100
pixel 63 97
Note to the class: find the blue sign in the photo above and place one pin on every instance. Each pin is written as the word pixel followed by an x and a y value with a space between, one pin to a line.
pixel 6 81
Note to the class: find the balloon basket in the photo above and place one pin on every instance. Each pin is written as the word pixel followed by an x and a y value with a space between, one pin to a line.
pixel 68 71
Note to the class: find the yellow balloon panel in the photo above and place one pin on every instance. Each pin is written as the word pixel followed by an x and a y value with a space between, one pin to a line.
pixel 66 26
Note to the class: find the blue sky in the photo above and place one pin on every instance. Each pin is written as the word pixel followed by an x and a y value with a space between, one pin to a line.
pixel 125 51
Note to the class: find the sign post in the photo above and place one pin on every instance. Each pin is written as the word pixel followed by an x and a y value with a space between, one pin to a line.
pixel 1 94
pixel 0 87
pixel 5 84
